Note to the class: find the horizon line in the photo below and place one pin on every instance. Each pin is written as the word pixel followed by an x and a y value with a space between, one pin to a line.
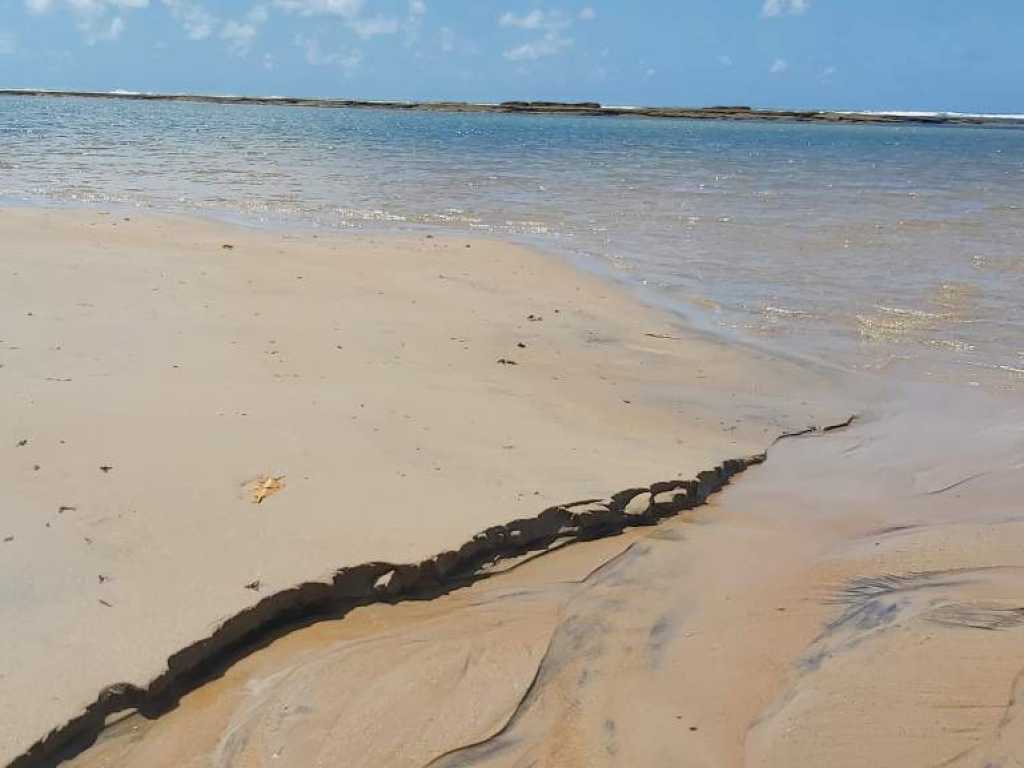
pixel 580 108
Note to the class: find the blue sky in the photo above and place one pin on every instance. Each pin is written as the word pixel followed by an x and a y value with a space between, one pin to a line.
pixel 863 54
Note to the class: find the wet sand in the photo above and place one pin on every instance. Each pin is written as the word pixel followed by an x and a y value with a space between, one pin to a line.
pixel 857 600
pixel 401 394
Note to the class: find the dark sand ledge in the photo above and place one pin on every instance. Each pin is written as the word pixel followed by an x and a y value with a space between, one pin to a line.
pixel 362 585
pixel 412 392
pixel 587 108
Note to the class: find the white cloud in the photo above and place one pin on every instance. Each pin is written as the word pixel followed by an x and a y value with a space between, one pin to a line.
pixel 549 45
pixel 371 27
pixel 258 14
pixel 201 24
pixel 115 29
pixel 240 34
pixel 347 9
pixel 450 40
pixel 83 7
pixel 531 20
pixel 91 16
pixel 413 22
pixel 587 14
pixel 8 45
pixel 772 8
pixel 351 10
pixel 553 42
pixel 103 30
pixel 447 39
pixel 348 60
pixel 536 19
pixel 198 22
pixel 725 61
pixel 779 66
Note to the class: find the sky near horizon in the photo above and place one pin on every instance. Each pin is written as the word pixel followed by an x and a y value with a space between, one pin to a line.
pixel 856 54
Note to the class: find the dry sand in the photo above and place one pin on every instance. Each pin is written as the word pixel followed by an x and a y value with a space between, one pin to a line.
pixel 153 378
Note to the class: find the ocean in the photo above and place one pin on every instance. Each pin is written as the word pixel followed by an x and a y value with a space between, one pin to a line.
pixel 888 248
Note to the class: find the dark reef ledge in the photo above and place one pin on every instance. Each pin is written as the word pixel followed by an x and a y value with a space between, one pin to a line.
pixel 584 108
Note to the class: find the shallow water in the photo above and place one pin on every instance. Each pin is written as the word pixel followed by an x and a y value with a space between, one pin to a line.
pixel 898 248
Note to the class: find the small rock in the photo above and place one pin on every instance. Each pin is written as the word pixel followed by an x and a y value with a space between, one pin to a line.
pixel 534 318
pixel 105 468
pixel 591 508
pixel 254 585
pixel 227 246
pixel 104 602
pixel 22 443
pixel 102 578
pixel 8 539
pixel 521 345
pixel 63 509
pixel 506 361
pixel 671 501
pixel 638 505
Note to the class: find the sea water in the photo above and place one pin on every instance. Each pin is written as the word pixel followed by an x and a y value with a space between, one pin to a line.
pixel 897 247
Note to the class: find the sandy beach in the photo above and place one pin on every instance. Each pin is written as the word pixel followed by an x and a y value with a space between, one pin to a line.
pixel 417 384
pixel 385 398
pixel 854 601
pixel 286 498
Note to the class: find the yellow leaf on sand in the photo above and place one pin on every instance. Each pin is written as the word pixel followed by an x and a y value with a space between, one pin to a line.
pixel 262 487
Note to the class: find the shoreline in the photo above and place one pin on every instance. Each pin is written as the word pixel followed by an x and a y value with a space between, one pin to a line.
pixel 693 317
pixel 207 297
pixel 581 109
